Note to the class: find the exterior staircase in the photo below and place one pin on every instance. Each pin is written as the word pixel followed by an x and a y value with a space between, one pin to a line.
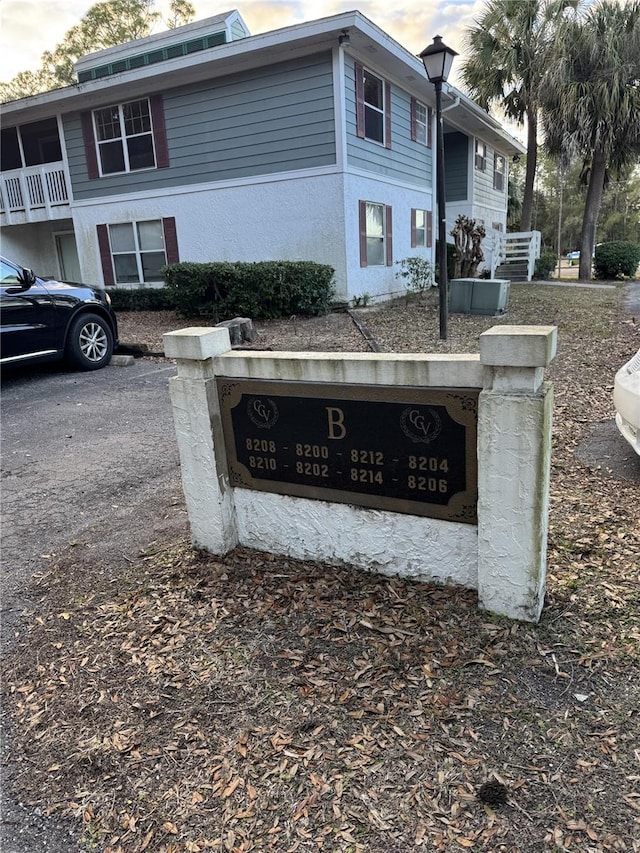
pixel 512 255
pixel 513 270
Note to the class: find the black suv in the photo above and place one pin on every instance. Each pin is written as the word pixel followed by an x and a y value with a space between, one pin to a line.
pixel 42 320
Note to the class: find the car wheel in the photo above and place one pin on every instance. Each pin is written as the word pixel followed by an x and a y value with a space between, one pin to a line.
pixel 89 342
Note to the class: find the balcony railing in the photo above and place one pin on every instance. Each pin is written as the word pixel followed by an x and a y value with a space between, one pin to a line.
pixel 35 190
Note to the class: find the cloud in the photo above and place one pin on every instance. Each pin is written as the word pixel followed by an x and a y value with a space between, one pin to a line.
pixel 412 23
pixel 28 28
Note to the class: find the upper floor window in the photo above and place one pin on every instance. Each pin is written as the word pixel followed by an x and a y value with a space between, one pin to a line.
pixel 125 137
pixel 375 234
pixel 420 123
pixel 499 170
pixel 481 156
pixel 373 107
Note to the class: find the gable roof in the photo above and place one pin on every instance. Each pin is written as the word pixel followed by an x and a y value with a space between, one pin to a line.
pixel 179 41
pixel 371 45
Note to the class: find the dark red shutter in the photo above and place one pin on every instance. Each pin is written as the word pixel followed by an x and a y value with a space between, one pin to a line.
pixel 359 101
pixel 414 128
pixel 105 255
pixel 413 229
pixel 363 233
pixel 387 114
pixel 89 145
pixel 429 228
pixel 159 131
pixel 388 235
pixel 170 239
pixel 429 130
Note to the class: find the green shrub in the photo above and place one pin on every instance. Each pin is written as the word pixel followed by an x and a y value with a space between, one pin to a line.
pixel 418 272
pixel 143 299
pixel 615 259
pixel 451 261
pixel 545 264
pixel 262 290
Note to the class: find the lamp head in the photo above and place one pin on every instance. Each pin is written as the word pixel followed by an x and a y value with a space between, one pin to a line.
pixel 438 59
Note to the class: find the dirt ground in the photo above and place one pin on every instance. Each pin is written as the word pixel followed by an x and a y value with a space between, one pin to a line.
pixel 170 701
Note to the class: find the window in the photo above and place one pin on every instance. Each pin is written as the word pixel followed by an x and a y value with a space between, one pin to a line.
pixel 125 137
pixel 421 228
pixel 373 107
pixel 481 156
pixel 135 252
pixel 40 143
pixel 499 169
pixel 375 234
pixel 420 123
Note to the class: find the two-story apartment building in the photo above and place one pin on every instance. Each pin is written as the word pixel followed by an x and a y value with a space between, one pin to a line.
pixel 311 142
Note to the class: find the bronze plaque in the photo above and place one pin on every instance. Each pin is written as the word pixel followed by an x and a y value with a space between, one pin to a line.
pixel 401 449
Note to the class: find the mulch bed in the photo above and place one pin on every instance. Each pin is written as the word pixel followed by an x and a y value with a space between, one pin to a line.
pixel 179 702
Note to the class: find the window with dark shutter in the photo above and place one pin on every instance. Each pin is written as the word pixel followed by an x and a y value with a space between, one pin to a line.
pixel 420 123
pixel 170 239
pixel 375 234
pixel 136 252
pixel 105 255
pixel 126 137
pixel 159 131
pixel 89 145
pixel 388 234
pixel 373 107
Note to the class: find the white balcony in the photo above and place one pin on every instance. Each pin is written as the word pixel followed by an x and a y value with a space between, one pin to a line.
pixel 35 194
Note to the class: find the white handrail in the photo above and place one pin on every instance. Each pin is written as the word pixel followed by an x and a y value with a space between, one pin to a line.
pixel 34 188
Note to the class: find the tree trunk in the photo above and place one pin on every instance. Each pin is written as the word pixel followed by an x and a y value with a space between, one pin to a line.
pixel 532 157
pixel 591 211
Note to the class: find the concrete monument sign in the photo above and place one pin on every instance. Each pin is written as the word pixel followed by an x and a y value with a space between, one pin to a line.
pixel 434 467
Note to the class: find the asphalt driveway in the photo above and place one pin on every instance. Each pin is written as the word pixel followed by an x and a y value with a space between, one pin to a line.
pixel 89 460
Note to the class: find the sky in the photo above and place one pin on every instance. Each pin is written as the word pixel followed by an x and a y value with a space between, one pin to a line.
pixel 29 27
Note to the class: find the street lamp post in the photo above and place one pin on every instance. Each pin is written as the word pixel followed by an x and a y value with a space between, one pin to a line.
pixel 437 59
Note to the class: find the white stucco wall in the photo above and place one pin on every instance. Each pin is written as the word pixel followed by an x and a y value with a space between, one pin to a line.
pixel 34 246
pixel 294 218
pixel 381 280
pixel 425 549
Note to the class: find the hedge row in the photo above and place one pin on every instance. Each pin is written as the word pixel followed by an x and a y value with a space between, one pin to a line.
pixel 262 290
pixel 142 299
pixel 616 259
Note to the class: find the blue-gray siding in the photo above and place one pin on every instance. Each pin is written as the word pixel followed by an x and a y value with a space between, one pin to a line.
pixel 406 161
pixel 256 123
pixel 456 166
pixel 483 191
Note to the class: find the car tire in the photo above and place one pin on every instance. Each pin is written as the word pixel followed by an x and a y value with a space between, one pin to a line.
pixel 89 342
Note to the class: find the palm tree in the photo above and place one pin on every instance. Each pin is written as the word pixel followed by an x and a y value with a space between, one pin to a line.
pixel 592 103
pixel 509 52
